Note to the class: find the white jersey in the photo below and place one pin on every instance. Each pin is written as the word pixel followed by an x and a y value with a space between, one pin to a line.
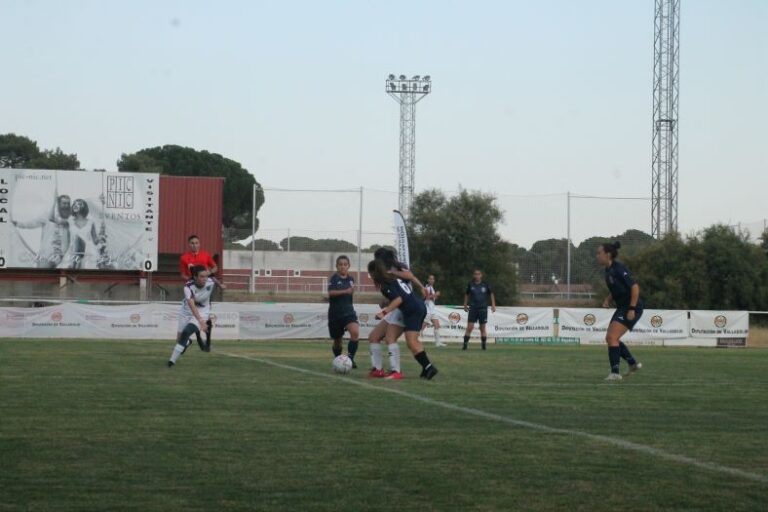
pixel 201 296
pixel 430 303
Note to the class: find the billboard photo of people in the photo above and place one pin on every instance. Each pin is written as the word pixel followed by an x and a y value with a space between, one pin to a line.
pixel 80 220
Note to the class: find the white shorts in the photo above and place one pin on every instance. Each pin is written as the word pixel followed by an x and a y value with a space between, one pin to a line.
pixel 431 312
pixel 184 320
pixel 395 317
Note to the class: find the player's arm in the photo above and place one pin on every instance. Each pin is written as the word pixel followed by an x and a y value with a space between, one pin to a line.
pixel 393 305
pixel 607 301
pixel 407 275
pixel 338 293
pixel 633 300
pixel 493 302
pixel 184 269
pixel 466 299
pixel 196 314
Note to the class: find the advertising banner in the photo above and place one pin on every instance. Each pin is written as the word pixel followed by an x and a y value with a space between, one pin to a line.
pixel 719 324
pixel 78 220
pixel 504 323
pixel 591 325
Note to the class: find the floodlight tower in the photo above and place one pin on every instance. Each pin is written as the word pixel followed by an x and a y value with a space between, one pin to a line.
pixel 666 72
pixel 407 92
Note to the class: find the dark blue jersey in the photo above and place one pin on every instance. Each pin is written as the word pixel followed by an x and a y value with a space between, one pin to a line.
pixel 620 282
pixel 399 288
pixel 341 305
pixel 479 294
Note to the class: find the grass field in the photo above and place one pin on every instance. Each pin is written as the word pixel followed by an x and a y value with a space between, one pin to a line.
pixel 89 425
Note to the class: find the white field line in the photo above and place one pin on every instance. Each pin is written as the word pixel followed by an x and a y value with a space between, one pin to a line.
pixel 614 441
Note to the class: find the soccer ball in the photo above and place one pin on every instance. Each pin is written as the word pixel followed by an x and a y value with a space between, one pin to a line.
pixel 342 364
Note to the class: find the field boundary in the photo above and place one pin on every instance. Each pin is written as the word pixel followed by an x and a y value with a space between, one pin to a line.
pixel 602 439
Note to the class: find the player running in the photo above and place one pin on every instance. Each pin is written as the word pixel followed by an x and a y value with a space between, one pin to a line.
pixel 341 313
pixel 625 293
pixel 429 301
pixel 401 296
pixel 195 313
pixel 476 303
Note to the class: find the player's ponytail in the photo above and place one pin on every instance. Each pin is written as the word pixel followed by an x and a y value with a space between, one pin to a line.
pixel 378 271
pixel 612 248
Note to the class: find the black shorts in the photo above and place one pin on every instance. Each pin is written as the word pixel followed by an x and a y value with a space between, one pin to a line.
pixel 478 315
pixel 414 320
pixel 337 325
pixel 621 316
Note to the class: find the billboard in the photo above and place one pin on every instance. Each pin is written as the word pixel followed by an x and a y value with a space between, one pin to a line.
pixel 78 220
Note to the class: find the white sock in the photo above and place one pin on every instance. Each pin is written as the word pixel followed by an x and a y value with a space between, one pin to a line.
pixel 394 357
pixel 376 359
pixel 177 351
pixel 437 336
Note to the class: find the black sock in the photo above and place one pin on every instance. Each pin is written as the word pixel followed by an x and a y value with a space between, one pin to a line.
pixel 352 349
pixel 422 358
pixel 614 357
pixel 626 354
pixel 482 341
pixel 336 349
pixel 466 341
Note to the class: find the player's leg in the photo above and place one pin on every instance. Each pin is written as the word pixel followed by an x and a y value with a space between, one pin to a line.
pixel 353 328
pixel 393 333
pixel 374 340
pixel 471 319
pixel 183 341
pixel 436 331
pixel 483 318
pixel 615 331
pixel 634 364
pixel 336 331
pixel 209 323
pixel 412 325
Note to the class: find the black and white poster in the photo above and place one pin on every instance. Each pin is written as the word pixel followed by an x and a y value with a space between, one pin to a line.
pixel 78 220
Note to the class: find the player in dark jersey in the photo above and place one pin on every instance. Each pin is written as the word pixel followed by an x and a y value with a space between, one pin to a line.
pixel 341 313
pixel 401 296
pixel 625 293
pixel 476 299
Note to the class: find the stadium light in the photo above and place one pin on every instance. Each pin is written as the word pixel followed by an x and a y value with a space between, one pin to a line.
pixel 407 92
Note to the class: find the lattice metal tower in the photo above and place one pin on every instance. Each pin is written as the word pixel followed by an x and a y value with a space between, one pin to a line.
pixel 407 92
pixel 666 72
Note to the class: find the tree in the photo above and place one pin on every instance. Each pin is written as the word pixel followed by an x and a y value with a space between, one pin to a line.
pixel 19 152
pixel 451 237
pixel 306 244
pixel 717 269
pixel 181 161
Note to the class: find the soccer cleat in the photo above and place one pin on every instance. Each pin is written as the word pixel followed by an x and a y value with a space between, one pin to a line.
pixel 441 344
pixel 354 364
pixel 464 347
pixel 613 377
pixel 634 368
pixel 375 373
pixel 394 376
pixel 429 372
pixel 171 364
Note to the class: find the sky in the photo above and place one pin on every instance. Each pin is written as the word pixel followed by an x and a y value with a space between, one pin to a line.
pixel 530 100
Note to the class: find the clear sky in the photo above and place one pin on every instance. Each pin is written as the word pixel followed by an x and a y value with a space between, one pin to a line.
pixel 529 98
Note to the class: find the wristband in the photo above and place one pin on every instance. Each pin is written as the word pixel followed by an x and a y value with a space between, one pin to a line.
pixel 632 308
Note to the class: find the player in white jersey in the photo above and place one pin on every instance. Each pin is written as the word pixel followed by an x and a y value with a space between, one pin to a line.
pixel 195 313
pixel 431 318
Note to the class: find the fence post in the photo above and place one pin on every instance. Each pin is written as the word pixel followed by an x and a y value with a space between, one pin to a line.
pixel 568 249
pixel 360 237
pixel 252 280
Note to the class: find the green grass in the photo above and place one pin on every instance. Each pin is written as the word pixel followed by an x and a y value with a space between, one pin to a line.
pixel 105 426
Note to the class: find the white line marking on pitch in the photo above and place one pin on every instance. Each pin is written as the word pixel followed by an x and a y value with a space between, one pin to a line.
pixel 621 443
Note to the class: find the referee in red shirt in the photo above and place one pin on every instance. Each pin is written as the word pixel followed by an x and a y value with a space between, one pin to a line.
pixel 195 256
